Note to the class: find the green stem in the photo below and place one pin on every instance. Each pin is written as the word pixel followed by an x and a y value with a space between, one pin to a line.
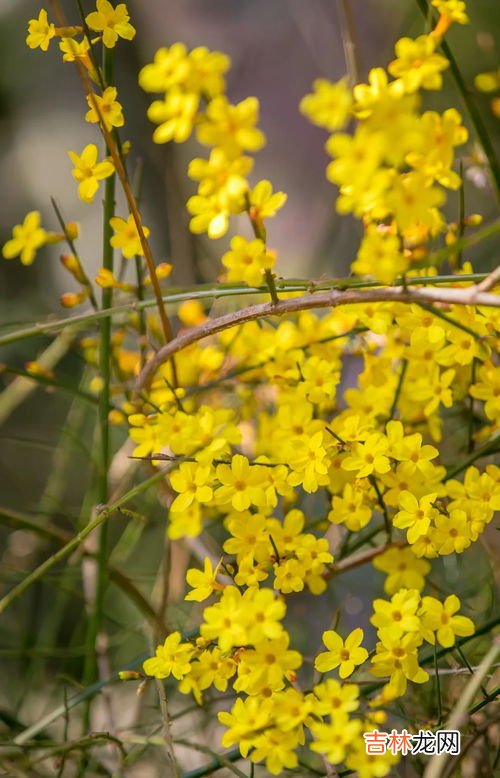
pixel 471 443
pixel 272 286
pixel 209 291
pixel 394 405
pixel 95 522
pixel 383 507
pixel 469 668
pixel 491 447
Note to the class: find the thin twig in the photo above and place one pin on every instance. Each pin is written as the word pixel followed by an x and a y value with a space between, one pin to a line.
pixel 437 763
pixel 330 299
pixel 351 562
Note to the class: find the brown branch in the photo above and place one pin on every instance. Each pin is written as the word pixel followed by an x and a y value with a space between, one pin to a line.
pixel 490 281
pixel 127 189
pixel 359 559
pixel 329 299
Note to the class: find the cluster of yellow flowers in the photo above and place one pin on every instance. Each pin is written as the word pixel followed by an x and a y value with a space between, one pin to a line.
pixel 392 172
pixel 194 87
pixel 268 434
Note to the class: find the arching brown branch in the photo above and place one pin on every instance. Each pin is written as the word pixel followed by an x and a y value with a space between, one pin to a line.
pixel 329 299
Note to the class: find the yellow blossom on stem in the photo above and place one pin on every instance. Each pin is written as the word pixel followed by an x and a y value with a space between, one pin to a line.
pixel 403 569
pixel 248 260
pixel 220 172
pixel 346 655
pixel 112 22
pixel 397 659
pixel 453 533
pixel 247 717
pixel 126 237
pixel 333 738
pixel 453 10
pixel 231 127
pixel 439 621
pixel 380 256
pixel 109 108
pixel 241 483
pixel 368 457
pixel 417 65
pixel 192 481
pixel 267 666
pixel 88 171
pixel 26 239
pixel 175 116
pixel 416 515
pixel 398 616
pixel 40 32
pixel 332 698
pixel 263 202
pixel 329 106
pixel 204 582
pixel 171 658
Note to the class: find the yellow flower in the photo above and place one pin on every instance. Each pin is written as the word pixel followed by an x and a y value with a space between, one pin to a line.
pixel 435 389
pixel 170 67
pixel 175 116
pixel 247 261
pixel 26 239
pixel 267 666
pixel 193 484
pixel 241 484
pixel 455 10
pixel 403 569
pixel 333 699
pixel 350 509
pixel 88 171
pixel 289 576
pixel 417 64
pixel 308 461
pixel 441 133
pixel 368 457
pixel 416 515
pixel 247 717
pixel 414 203
pixel 398 616
pixel 329 105
pixel 126 236
pixel 204 582
pixel 380 256
pixel 397 658
pixel 439 618
pixel 345 655
pixel 210 214
pixel 113 23
pixel 334 738
pixel 74 50
pixel 453 533
pixel 172 658
pixel 231 127
pixel 207 70
pixel 109 109
pixel 220 172
pixel 40 32
pixel 250 536
pixel 263 203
